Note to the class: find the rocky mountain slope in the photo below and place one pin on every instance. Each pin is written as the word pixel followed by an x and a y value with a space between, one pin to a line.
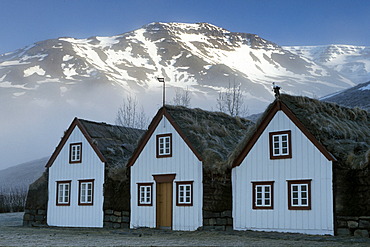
pixel 22 175
pixel 45 85
pixel 358 96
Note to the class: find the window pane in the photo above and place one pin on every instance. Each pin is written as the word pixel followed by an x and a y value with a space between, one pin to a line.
pixel 295 201
pixel 304 201
pixel 284 138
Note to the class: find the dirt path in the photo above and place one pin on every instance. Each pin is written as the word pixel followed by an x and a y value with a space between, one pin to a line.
pixel 12 234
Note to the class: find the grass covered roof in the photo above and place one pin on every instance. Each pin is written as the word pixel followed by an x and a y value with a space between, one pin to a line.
pixel 213 134
pixel 344 132
pixel 116 143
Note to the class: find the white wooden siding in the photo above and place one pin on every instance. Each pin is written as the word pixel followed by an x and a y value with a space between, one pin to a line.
pixel 90 168
pixel 184 164
pixel 307 162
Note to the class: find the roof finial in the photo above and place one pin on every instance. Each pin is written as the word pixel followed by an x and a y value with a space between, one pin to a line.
pixel 276 90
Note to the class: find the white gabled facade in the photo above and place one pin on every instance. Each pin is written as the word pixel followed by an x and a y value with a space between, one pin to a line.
pixel 307 163
pixel 182 167
pixel 79 211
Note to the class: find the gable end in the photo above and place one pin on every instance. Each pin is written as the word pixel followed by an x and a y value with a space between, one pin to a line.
pixel 153 125
pixel 280 106
pixel 62 142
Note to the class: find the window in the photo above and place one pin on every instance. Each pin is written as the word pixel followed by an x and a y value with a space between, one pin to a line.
pixel 164 145
pixel 184 193
pixel 280 145
pixel 63 193
pixel 263 195
pixel 86 192
pixel 299 194
pixel 145 194
pixel 75 153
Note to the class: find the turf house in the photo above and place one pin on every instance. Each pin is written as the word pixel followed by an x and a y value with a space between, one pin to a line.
pixel 304 167
pixel 86 183
pixel 179 176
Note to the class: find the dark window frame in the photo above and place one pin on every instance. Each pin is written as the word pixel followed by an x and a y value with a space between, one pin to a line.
pixel 80 182
pixel 139 185
pixel 309 197
pixel 69 193
pixel 271 143
pixel 254 194
pixel 75 161
pixel 178 184
pixel 158 154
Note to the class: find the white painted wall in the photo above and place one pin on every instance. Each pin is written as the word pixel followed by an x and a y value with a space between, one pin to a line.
pixel 90 168
pixel 307 163
pixel 184 164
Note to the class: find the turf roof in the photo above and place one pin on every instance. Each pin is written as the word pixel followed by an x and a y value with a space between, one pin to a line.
pixel 116 143
pixel 213 134
pixel 344 132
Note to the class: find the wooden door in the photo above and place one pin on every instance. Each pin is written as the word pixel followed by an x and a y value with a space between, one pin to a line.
pixel 164 205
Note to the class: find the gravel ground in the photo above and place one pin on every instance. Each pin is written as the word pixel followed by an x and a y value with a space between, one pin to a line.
pixel 13 234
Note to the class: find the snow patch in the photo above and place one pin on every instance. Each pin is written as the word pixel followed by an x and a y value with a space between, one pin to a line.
pixel 34 70
pixel 108 41
pixel 19 94
pixel 67 58
pixel 367 87
pixel 13 62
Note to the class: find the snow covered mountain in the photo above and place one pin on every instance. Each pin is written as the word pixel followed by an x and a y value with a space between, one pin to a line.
pixel 45 85
pixel 351 61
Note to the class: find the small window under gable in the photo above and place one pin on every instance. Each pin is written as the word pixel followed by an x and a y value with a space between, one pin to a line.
pixel 164 145
pixel 86 192
pixel 145 194
pixel 263 195
pixel 280 145
pixel 63 193
pixel 75 153
pixel 299 194
pixel 184 193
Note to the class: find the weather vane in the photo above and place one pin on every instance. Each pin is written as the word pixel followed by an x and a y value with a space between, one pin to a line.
pixel 276 90
pixel 161 79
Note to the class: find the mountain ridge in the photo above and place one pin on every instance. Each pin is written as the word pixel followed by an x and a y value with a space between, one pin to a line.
pixel 45 85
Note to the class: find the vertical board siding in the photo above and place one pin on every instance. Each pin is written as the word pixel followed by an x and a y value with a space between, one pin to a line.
pixel 184 164
pixel 90 168
pixel 307 162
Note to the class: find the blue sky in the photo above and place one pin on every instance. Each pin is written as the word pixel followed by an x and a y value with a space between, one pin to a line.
pixel 310 22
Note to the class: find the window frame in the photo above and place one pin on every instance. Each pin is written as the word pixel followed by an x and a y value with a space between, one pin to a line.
pixel 289 141
pixel 85 181
pixel 58 203
pixel 158 149
pixel 148 185
pixel 75 161
pixel 180 184
pixel 306 182
pixel 254 194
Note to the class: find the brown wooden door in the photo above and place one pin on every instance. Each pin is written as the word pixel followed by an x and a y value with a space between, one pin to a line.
pixel 164 205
